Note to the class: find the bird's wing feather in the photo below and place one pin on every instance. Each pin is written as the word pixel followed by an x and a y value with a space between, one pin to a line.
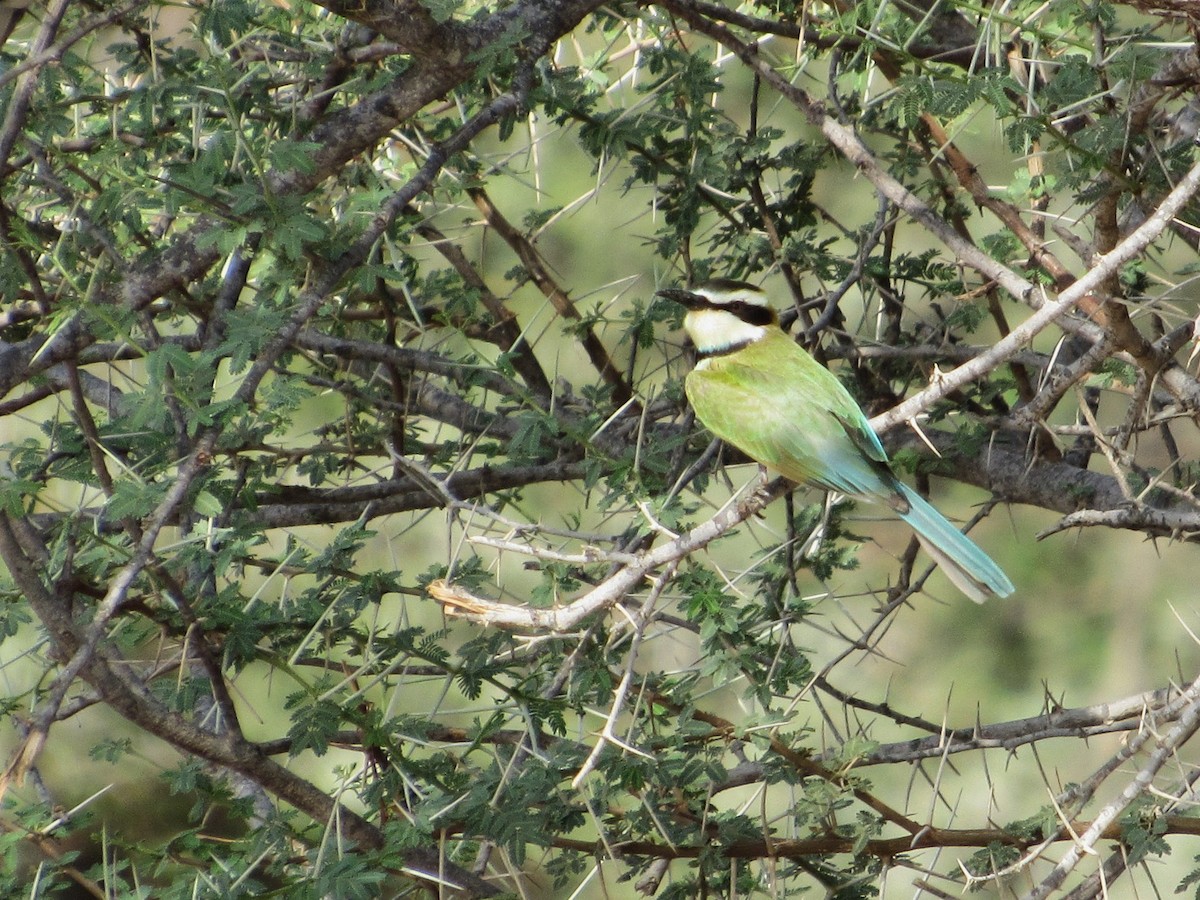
pixel 782 408
pixel 863 437
pixel 779 406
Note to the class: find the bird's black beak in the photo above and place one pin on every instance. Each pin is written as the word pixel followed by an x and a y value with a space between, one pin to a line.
pixel 684 298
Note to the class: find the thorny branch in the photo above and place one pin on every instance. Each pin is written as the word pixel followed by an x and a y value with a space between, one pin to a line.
pixel 466 433
pixel 1165 748
pixel 466 605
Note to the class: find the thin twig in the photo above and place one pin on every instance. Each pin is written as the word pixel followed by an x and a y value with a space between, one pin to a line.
pixel 1166 748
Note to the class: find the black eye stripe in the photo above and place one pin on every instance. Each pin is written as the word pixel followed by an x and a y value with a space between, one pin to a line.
pixel 750 313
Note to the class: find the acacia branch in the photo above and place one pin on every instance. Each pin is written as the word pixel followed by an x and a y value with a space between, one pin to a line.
pixel 847 142
pixel 505 332
pixel 406 359
pixel 56 51
pixel 843 138
pixel 880 848
pixel 530 258
pixel 1165 749
pixel 1105 267
pixel 463 604
pixel 303 506
pixel 1127 714
pixel 87 650
pixel 22 96
pixel 339 137
pixel 129 697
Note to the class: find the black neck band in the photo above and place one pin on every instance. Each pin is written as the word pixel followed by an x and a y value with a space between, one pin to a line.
pixel 724 351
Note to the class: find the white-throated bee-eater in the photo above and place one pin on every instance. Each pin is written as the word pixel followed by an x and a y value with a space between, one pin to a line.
pixel 757 389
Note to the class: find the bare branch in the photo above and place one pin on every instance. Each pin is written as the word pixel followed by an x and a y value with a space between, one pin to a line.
pixel 1165 749
pixel 464 604
pixel 1127 714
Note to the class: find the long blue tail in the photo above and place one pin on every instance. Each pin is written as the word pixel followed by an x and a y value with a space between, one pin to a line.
pixel 972 571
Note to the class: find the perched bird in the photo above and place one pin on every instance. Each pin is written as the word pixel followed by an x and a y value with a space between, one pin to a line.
pixel 757 389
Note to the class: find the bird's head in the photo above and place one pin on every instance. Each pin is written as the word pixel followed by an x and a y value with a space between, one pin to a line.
pixel 724 315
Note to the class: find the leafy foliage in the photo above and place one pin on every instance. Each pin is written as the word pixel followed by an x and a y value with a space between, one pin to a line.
pixel 334 384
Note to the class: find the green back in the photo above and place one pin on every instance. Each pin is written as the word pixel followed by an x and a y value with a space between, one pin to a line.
pixel 781 407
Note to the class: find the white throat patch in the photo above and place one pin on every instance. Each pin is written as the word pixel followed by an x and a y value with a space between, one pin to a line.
pixel 714 330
